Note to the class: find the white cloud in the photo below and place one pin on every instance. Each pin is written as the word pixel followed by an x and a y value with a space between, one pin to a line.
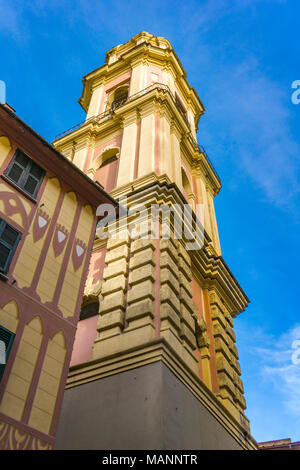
pixel 260 123
pixel 247 110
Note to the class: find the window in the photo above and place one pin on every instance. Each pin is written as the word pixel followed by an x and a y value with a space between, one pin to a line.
pixel 185 182
pixel 6 341
pixel 118 97
pixel 25 173
pixel 9 238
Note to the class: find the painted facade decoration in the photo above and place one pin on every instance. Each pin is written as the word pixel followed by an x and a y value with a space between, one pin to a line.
pixel 157 300
pixel 41 291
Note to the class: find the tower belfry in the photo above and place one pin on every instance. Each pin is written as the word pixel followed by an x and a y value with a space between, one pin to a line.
pixel 154 363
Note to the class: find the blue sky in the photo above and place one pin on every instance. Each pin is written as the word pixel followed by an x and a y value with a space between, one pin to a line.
pixel 242 57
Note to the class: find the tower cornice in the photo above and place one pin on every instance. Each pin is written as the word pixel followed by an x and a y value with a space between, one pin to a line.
pixel 212 270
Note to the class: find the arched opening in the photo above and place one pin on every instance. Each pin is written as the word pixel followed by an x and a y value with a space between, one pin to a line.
pixel 181 108
pixel 109 160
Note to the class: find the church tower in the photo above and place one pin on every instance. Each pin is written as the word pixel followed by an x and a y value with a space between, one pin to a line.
pixel 154 363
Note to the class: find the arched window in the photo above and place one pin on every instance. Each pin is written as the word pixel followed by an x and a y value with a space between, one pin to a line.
pixel 187 189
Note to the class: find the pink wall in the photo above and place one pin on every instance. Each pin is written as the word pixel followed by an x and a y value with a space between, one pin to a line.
pixel 157 71
pixel 122 80
pixel 197 298
pixel 113 142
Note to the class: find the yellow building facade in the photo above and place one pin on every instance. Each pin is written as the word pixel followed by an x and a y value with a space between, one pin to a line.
pixel 155 312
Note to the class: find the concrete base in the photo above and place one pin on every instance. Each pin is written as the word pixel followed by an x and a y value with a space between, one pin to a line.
pixel 144 408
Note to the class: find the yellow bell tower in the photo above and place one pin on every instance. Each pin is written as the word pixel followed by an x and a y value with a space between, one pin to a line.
pixel 154 362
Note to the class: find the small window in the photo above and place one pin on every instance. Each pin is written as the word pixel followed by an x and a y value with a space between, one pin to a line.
pixel 25 173
pixel 6 341
pixel 9 238
pixel 89 310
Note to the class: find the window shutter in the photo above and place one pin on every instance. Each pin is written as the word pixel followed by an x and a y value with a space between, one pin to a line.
pixel 2 352
pixel 108 161
pixel 9 235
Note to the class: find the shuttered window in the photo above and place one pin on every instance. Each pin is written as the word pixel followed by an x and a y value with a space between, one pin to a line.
pixel 6 341
pixel 108 161
pixel 9 238
pixel 25 173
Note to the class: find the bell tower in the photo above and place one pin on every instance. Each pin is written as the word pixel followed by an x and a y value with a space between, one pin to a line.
pixel 154 363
